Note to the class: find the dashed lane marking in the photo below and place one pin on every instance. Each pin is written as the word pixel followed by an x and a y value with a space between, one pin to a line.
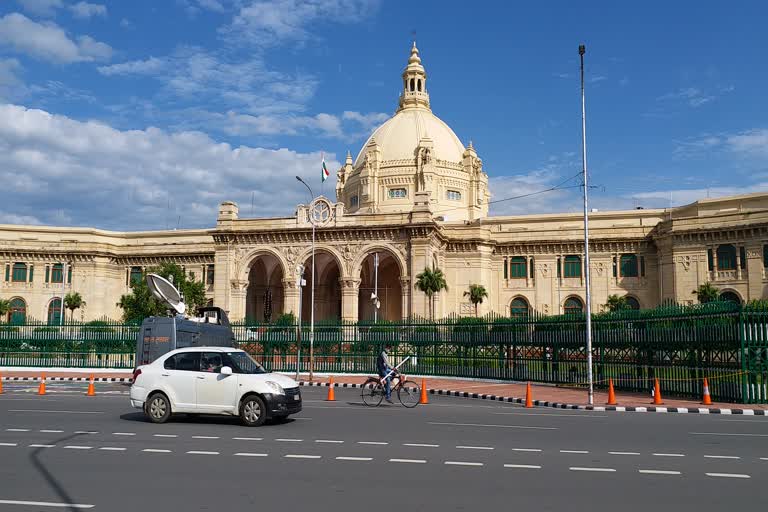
pixel 249 454
pixel 206 437
pixel 112 449
pixel 658 472
pixel 522 466
pixel 8 444
pixel 248 438
pixel 46 504
pixel 78 447
pixel 300 456
pixel 409 461
pixel 721 457
pixel 156 450
pixel 574 451
pixel 623 453
pixel 763 458
pixel 526 427
pixel 17 430
pixel 199 452
pixel 727 475
pixel 669 455
pixel 55 412
pixel 164 435
pixel 461 463
pixel 42 445
pixel 599 470
pixel 360 459
pixel 85 432
pixel 475 447
pixel 726 434
pixel 421 445
pixel 284 440
pixel 123 433
pixel 375 443
pixel 328 441
pixel 526 449
pixel 51 431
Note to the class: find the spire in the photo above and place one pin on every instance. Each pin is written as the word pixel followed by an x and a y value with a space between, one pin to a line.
pixel 414 93
pixel 349 158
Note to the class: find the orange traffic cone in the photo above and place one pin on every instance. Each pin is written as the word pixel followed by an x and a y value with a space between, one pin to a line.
pixel 423 399
pixel 1 384
pixel 91 390
pixel 331 392
pixel 611 394
pixel 657 393
pixel 707 400
pixel 41 389
pixel 528 397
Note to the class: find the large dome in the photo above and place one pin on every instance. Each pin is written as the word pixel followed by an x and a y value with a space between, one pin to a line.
pixel 399 137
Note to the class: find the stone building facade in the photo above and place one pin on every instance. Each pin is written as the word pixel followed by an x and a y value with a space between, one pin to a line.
pixel 416 197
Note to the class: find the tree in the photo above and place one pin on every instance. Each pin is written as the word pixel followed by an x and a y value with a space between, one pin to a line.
pixel 707 292
pixel 431 282
pixel 73 301
pixel 139 304
pixel 476 293
pixel 616 303
pixel 5 307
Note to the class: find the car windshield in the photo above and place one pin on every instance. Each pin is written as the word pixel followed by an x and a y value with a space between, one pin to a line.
pixel 243 363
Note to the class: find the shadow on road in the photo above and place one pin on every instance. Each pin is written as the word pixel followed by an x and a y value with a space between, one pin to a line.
pixel 202 419
pixel 49 478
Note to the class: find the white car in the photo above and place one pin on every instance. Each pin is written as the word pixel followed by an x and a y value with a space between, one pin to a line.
pixel 213 380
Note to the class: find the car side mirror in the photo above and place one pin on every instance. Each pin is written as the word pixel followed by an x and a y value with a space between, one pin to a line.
pixel 226 370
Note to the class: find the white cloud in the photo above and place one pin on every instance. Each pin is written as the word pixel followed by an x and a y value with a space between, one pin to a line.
pixel 12 218
pixel 752 142
pixel 679 197
pixel 48 41
pixel 11 85
pixel 367 121
pixel 84 10
pixel 693 96
pixel 56 167
pixel 148 66
pixel 45 8
pixel 747 144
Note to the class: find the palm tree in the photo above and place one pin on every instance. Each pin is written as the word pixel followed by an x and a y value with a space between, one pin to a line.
pixel 706 292
pixel 5 307
pixel 476 293
pixel 431 282
pixel 616 303
pixel 73 301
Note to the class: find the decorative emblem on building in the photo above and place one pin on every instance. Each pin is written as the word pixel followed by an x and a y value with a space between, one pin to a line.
pixel 320 212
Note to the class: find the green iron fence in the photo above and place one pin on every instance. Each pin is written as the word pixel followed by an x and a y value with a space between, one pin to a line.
pixel 679 345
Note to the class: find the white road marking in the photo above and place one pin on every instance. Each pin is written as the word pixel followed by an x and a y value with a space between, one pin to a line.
pixel 17 430
pixel 56 412
pixel 422 445
pixel 574 451
pixel 248 454
pixel 123 434
pixel 725 434
pixel 623 453
pixel 409 461
pixel 165 435
pixel 8 444
pixel 292 456
pixel 522 466
pixel 526 449
pixel 331 441
pixel 248 438
pixel 475 447
pixel 76 447
pixel 490 425
pixel 42 445
pixel 763 458
pixel 721 457
pixel 550 414
pixel 198 452
pixel 727 475
pixel 377 443
pixel 460 463
pixel 45 504
pixel 85 432
pixel 657 472
pixel 206 437
pixel 600 470
pixel 669 455
pixel 112 449
pixel 156 450
pixel 355 458
pixel 51 431
pixel 282 440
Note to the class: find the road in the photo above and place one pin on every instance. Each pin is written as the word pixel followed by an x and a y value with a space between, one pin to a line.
pixel 453 454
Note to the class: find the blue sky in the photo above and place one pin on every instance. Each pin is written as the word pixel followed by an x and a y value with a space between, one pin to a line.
pixel 147 114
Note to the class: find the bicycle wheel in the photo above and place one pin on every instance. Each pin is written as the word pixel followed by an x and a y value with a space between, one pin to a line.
pixel 372 392
pixel 409 394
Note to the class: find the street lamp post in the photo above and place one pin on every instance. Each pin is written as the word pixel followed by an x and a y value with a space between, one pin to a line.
pixel 312 298
pixel 300 282
pixel 590 393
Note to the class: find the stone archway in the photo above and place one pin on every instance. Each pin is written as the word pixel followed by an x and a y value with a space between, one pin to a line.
pixel 389 287
pixel 265 294
pixel 327 288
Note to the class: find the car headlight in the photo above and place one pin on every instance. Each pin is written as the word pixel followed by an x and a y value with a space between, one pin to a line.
pixel 275 387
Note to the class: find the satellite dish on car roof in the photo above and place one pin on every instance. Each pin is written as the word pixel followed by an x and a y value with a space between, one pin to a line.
pixel 164 290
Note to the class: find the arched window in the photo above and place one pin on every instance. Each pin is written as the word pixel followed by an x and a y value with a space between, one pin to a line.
pixel 18 312
pixel 726 257
pixel 413 85
pixel 54 312
pixel 629 266
pixel 418 85
pixel 572 266
pixel 19 273
pixel 519 308
pixel 573 305
pixel 632 303
pixel 517 267
pixel 730 297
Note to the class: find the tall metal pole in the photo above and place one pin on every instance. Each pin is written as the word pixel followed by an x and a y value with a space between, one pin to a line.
pixel 299 285
pixel 63 289
pixel 312 306
pixel 376 287
pixel 590 396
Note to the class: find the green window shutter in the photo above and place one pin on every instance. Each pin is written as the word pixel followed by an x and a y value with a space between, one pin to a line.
pixel 506 270
pixel 572 266
pixel 69 275
pixel 518 269
pixel 8 273
pixel 628 265
pixel 47 274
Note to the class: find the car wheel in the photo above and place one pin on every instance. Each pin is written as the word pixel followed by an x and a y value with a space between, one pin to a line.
pixel 158 408
pixel 253 412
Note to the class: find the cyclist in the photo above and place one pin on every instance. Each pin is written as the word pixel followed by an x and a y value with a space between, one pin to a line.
pixel 383 367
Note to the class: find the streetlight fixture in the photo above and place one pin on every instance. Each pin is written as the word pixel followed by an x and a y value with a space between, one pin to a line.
pixel 312 299
pixel 590 393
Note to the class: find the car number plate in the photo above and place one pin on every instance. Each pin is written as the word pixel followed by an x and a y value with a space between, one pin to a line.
pixel 296 397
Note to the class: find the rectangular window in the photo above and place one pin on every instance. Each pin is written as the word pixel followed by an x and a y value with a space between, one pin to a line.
pixel 19 272
pixel 572 266
pixel 615 271
pixel 8 272
pixel 69 274
pixel 517 267
pixel 531 269
pixel 506 269
pixel 57 273
pixel 628 263
pixel 710 260
pixel 453 195
pixel 765 260
pixel 559 269
pixel 31 273
pixel 642 267
pixel 397 193
pixel 354 201
pixel 136 275
pixel 47 274
pixel 210 274
pixel 743 257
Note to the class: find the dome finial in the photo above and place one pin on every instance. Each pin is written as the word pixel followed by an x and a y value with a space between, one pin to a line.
pixel 414 82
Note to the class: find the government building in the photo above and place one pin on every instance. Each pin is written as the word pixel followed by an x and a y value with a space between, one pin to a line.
pixel 414 196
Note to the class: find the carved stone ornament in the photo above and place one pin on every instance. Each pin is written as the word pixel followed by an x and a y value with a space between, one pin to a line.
pixel 348 252
pixel 544 269
pixel 545 308
pixel 599 268
pixel 685 261
pixel 291 253
pixel 320 212
pixel 466 308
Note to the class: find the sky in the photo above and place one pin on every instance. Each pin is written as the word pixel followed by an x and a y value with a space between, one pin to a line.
pixel 147 114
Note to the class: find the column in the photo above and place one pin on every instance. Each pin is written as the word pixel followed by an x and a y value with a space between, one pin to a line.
pixel 237 303
pixel 350 290
pixel 528 272
pixel 291 297
pixel 714 263
pixel 405 292
pixel 738 262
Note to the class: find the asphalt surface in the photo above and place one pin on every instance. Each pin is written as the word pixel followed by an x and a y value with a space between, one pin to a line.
pixel 453 454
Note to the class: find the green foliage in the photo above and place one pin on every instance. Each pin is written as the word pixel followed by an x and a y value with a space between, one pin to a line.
pixel 706 292
pixel 616 303
pixel 476 293
pixel 431 282
pixel 5 307
pixel 139 304
pixel 73 301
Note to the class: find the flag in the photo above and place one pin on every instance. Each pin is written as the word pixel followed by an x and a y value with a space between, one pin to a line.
pixel 325 172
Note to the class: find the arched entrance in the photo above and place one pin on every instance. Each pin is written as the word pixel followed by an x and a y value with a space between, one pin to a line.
pixel 54 311
pixel 264 300
pixel 327 288
pixel 385 282
pixel 730 296
pixel 18 311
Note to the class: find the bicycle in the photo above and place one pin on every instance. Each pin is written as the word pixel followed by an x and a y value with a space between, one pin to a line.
pixel 408 392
